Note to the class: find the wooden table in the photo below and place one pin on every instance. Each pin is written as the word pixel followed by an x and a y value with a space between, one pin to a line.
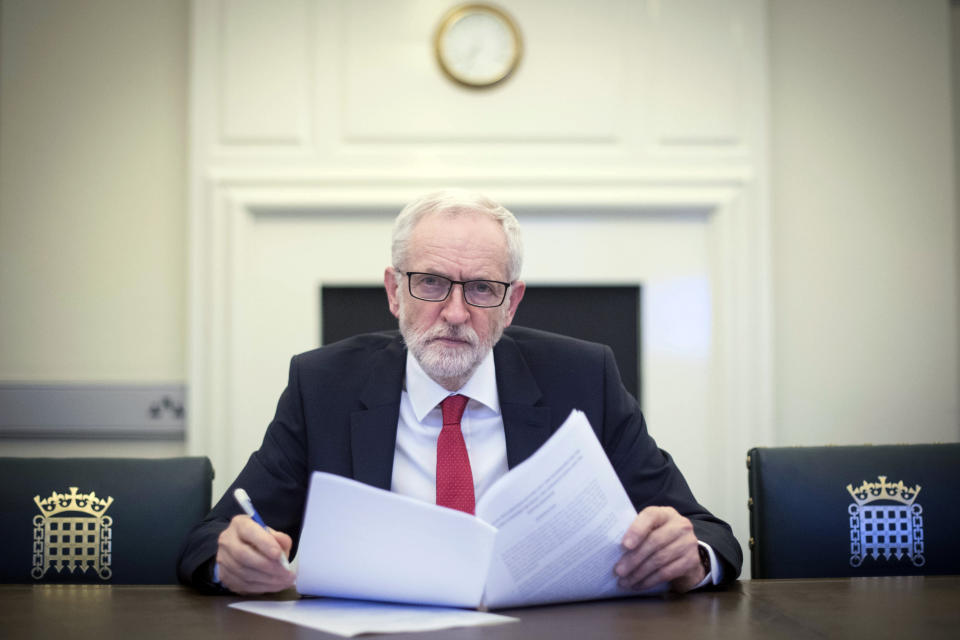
pixel 870 608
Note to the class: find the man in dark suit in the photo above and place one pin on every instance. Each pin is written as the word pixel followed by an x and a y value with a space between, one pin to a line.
pixel 363 408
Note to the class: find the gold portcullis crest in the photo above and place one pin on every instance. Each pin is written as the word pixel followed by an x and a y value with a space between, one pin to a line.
pixel 72 533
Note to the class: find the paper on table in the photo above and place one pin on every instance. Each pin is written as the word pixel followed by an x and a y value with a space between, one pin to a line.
pixel 361 542
pixel 353 617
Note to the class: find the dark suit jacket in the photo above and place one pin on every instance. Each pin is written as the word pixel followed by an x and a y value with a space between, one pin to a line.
pixel 340 410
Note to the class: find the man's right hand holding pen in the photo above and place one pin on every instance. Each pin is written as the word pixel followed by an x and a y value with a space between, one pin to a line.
pixel 253 558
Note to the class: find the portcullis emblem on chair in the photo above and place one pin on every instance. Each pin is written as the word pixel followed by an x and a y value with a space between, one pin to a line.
pixel 72 533
pixel 885 520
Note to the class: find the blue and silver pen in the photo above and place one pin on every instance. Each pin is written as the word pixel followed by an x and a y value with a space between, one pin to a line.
pixel 247 507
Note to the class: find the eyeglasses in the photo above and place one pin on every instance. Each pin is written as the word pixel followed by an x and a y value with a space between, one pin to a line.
pixel 477 293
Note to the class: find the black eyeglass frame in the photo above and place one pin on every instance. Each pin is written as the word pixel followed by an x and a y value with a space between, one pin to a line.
pixel 462 283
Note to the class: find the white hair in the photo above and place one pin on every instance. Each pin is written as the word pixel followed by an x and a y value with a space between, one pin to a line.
pixel 455 202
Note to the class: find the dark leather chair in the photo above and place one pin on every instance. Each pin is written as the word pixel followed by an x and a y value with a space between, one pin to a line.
pixel 98 520
pixel 854 510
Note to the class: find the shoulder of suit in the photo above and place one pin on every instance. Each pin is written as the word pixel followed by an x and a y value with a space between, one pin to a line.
pixel 525 337
pixel 358 345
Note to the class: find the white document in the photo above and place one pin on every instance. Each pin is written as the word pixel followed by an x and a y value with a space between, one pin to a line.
pixel 547 531
pixel 560 516
pixel 362 542
pixel 353 617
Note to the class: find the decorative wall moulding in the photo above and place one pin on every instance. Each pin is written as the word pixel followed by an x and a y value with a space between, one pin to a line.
pixel 349 83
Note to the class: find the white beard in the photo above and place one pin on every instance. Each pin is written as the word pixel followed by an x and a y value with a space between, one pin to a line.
pixel 450 366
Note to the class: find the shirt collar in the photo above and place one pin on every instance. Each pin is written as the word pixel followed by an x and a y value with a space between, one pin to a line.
pixel 425 394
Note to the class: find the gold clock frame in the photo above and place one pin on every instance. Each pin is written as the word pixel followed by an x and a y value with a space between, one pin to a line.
pixel 459 12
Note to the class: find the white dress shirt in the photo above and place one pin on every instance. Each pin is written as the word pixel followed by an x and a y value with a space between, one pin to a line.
pixel 415 456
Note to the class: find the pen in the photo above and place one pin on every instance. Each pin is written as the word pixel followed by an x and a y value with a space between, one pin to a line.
pixel 247 507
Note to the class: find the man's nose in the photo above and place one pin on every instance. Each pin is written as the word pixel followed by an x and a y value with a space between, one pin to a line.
pixel 455 308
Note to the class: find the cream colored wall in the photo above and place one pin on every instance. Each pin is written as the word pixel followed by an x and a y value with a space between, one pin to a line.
pixel 865 222
pixel 92 198
pixel 955 46
pixel 93 141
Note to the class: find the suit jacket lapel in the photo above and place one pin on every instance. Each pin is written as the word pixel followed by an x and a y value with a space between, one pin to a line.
pixel 526 426
pixel 374 428
pixel 373 436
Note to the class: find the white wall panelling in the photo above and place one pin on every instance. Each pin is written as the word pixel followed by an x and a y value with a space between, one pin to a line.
pixel 625 157
pixel 265 72
pixel 355 83
pixel 697 86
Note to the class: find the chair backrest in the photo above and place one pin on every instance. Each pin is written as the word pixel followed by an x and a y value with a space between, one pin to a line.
pixel 98 520
pixel 854 510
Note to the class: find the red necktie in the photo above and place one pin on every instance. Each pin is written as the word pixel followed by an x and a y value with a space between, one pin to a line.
pixel 454 477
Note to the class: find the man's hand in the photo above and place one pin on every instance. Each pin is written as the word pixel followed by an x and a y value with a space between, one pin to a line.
pixel 660 547
pixel 249 558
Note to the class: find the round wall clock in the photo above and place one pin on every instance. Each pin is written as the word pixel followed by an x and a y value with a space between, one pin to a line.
pixel 478 45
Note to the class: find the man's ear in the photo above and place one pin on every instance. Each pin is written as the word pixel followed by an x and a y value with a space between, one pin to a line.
pixel 390 276
pixel 517 290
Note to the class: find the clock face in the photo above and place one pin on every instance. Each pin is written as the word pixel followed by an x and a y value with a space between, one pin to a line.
pixel 478 45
